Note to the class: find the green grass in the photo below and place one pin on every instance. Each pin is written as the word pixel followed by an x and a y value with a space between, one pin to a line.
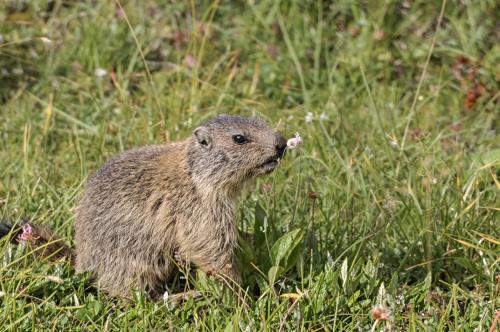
pixel 406 206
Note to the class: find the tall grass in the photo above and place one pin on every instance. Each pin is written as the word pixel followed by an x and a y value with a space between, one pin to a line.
pixel 392 200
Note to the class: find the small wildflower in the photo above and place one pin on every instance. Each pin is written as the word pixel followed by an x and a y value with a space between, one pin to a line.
pixel 400 299
pixel 120 12
pixel 354 31
pixel 267 188
pixel 26 235
pixel 323 116
pixel 272 51
pixel 100 72
pixel 457 126
pixel 76 66
pixel 294 142
pixel 179 38
pixel 309 117
pixel 378 35
pixel 46 41
pixel 380 312
pixel 416 133
pixel 190 61
pixel 1 39
pixel 165 296
pixel 313 195
pixel 55 279
pixel 391 204
pixel 393 141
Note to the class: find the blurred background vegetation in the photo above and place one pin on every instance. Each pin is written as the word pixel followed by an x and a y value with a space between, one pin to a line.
pixel 392 200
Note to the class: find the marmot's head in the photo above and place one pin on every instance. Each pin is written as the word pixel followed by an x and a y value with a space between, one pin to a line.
pixel 229 150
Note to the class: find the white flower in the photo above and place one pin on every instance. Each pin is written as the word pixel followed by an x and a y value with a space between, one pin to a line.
pixel 165 295
pixel 46 41
pixel 100 72
pixel 309 117
pixel 393 141
pixel 294 142
pixel 55 279
pixel 323 116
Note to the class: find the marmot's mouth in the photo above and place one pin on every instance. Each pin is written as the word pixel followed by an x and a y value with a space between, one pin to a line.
pixel 270 163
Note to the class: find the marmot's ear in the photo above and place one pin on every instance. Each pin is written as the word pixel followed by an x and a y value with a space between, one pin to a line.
pixel 203 137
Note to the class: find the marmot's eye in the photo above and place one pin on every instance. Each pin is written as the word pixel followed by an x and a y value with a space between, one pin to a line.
pixel 239 139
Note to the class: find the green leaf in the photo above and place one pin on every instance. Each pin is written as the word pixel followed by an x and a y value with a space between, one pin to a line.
pixel 245 257
pixel 487 158
pixel 285 250
pixel 428 281
pixel 245 249
pixel 354 297
pixel 370 270
pixel 381 294
pixel 274 273
pixel 93 308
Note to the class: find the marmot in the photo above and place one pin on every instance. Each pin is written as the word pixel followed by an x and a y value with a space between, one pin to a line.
pixel 146 204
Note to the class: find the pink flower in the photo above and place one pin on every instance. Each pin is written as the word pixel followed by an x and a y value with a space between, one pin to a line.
pixel 294 142
pixel 380 312
pixel 27 234
pixel 267 188
pixel 120 12
pixel 190 61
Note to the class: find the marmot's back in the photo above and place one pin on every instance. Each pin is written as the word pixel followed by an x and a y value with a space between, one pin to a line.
pixel 114 218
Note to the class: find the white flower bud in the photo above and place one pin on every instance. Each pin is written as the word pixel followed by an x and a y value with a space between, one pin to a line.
pixel 294 142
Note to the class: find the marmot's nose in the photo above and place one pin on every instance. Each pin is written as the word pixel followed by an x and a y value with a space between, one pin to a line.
pixel 280 145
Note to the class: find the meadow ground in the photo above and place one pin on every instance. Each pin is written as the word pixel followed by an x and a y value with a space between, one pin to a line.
pixel 393 199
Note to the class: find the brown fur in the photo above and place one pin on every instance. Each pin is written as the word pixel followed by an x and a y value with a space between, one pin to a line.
pixel 145 205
